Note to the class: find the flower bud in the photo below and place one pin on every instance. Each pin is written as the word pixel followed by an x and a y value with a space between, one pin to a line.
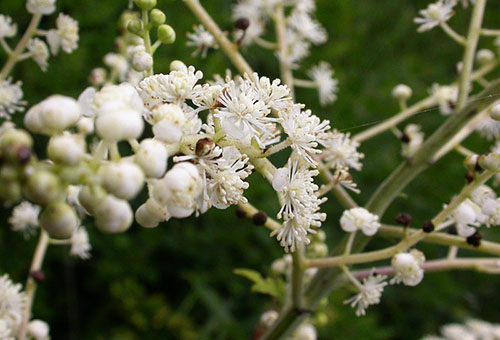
pixel 53 115
pixel 485 56
pixel 152 157
pixel 90 197
pixel 113 215
pixel 167 132
pixel 42 187
pixel 98 76
pixel 178 65
pixel 12 141
pixel 402 92
pixel 119 125
pixel 490 162
pixel 142 61
pixel 59 220
pixel 145 4
pixel 135 26
pixel 179 187
pixel 11 192
pixel 122 179
pixel 38 330
pixel 495 112
pixel 157 17
pixel 204 146
pixel 85 126
pixel 242 23
pixel 470 162
pixel 66 148
pixel 150 214
pixel 166 34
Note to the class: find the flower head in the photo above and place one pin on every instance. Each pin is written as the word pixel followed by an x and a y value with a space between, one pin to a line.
pixel 80 245
pixel 7 28
pixel 341 151
pixel 25 218
pixel 322 76
pixel 435 14
pixel 65 36
pixel 11 98
pixel 369 293
pixel 12 302
pixel 39 52
pixel 407 268
pixel 44 7
pixel 359 219
pixel 202 40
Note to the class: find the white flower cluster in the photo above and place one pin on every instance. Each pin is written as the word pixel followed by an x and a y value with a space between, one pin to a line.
pixel 359 219
pixel 471 330
pixel 407 268
pixel 435 14
pixel 11 98
pixel 12 302
pixel 370 293
pixel 202 40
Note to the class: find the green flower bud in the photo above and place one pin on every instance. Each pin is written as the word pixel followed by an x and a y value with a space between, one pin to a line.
pixel 495 112
pixel 490 162
pixel 470 162
pixel 166 34
pixel 157 17
pixel 146 4
pixel 59 220
pixel 42 187
pixel 89 198
pixel 11 192
pixel 177 65
pixel 14 140
pixel 134 26
pixel 113 215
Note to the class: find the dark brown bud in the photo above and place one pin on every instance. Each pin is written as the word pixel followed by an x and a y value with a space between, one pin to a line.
pixel 38 276
pixel 452 230
pixel 475 239
pixel 242 23
pixel 404 219
pixel 204 146
pixel 24 155
pixel 469 176
pixel 240 213
pixel 259 218
pixel 405 138
pixel 428 227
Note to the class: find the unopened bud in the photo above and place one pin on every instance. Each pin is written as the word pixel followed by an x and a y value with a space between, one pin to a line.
pixel 404 219
pixel 166 34
pixel 490 162
pixel 204 146
pixel 402 92
pixel 142 61
pixel 42 187
pixel 59 220
pixel 97 76
pixel 10 193
pixel 66 148
pixel 259 218
pixel 485 56
pixel 177 65
pixel 113 215
pixel 122 179
pixel 135 26
pixel 12 141
pixel 157 17
pixel 428 227
pixel 470 162
pixel 475 239
pixel 146 4
pixel 495 112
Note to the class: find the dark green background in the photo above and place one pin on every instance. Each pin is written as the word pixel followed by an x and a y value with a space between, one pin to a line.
pixel 176 281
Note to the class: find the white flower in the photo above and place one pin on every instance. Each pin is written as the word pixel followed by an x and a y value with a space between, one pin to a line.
pixel 80 245
pixel 305 131
pixel 369 293
pixel 12 302
pixel 38 330
pixel 202 40
pixel 308 27
pixel 7 28
pixel 11 98
pixel 6 333
pixel 457 332
pixel 298 49
pixel 123 179
pixel 118 63
pixel 152 157
pixel 25 218
pixel 489 128
pixel 359 219
pixel 322 76
pixel 341 151
pixel 41 6
pixel 53 115
pixel 407 268
pixel 446 96
pixel 151 213
pixel 39 52
pixel 243 114
pixel 250 10
pixel 142 61
pixel 416 138
pixel 300 205
pixel 466 217
pixel 175 87
pixel 65 36
pixel 269 317
pixel 435 14
pixel 66 148
pixel 305 331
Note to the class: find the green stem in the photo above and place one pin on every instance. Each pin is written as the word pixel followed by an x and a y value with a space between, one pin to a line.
pixel 147 39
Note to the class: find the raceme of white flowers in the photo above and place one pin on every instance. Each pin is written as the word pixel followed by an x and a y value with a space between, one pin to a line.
pixel 472 329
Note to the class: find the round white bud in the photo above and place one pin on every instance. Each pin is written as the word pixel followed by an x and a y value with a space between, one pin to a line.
pixel 98 76
pixel 150 214
pixel 85 126
pixel 142 61
pixel 57 113
pixel 119 125
pixel 59 220
pixel 38 329
pixel 495 112
pixel 167 132
pixel 402 92
pixel 171 112
pixel 66 148
pixel 152 157
pixel 113 215
pixel 179 188
pixel 485 56
pixel 122 179
pixel 44 7
pixel 178 65
pixel 490 162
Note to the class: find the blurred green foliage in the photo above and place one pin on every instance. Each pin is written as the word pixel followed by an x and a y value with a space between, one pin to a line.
pixel 177 281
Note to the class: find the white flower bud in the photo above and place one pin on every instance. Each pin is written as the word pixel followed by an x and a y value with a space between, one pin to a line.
pixel 495 112
pixel 490 162
pixel 66 148
pixel 38 330
pixel 119 125
pixel 85 100
pixel 269 317
pixel 484 56
pixel 59 220
pixel 85 126
pixel 152 157
pixel 150 214
pixel 306 332
pixel 178 65
pixel 113 215
pixel 407 268
pixel 42 187
pixel 98 76
pixel 402 92
pixel 142 61
pixel 53 115
pixel 45 7
pixel 470 162
pixel 167 132
pixel 359 219
pixel 90 197
pixel 122 179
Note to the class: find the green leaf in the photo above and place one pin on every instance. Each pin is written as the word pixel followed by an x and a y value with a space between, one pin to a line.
pixel 268 286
